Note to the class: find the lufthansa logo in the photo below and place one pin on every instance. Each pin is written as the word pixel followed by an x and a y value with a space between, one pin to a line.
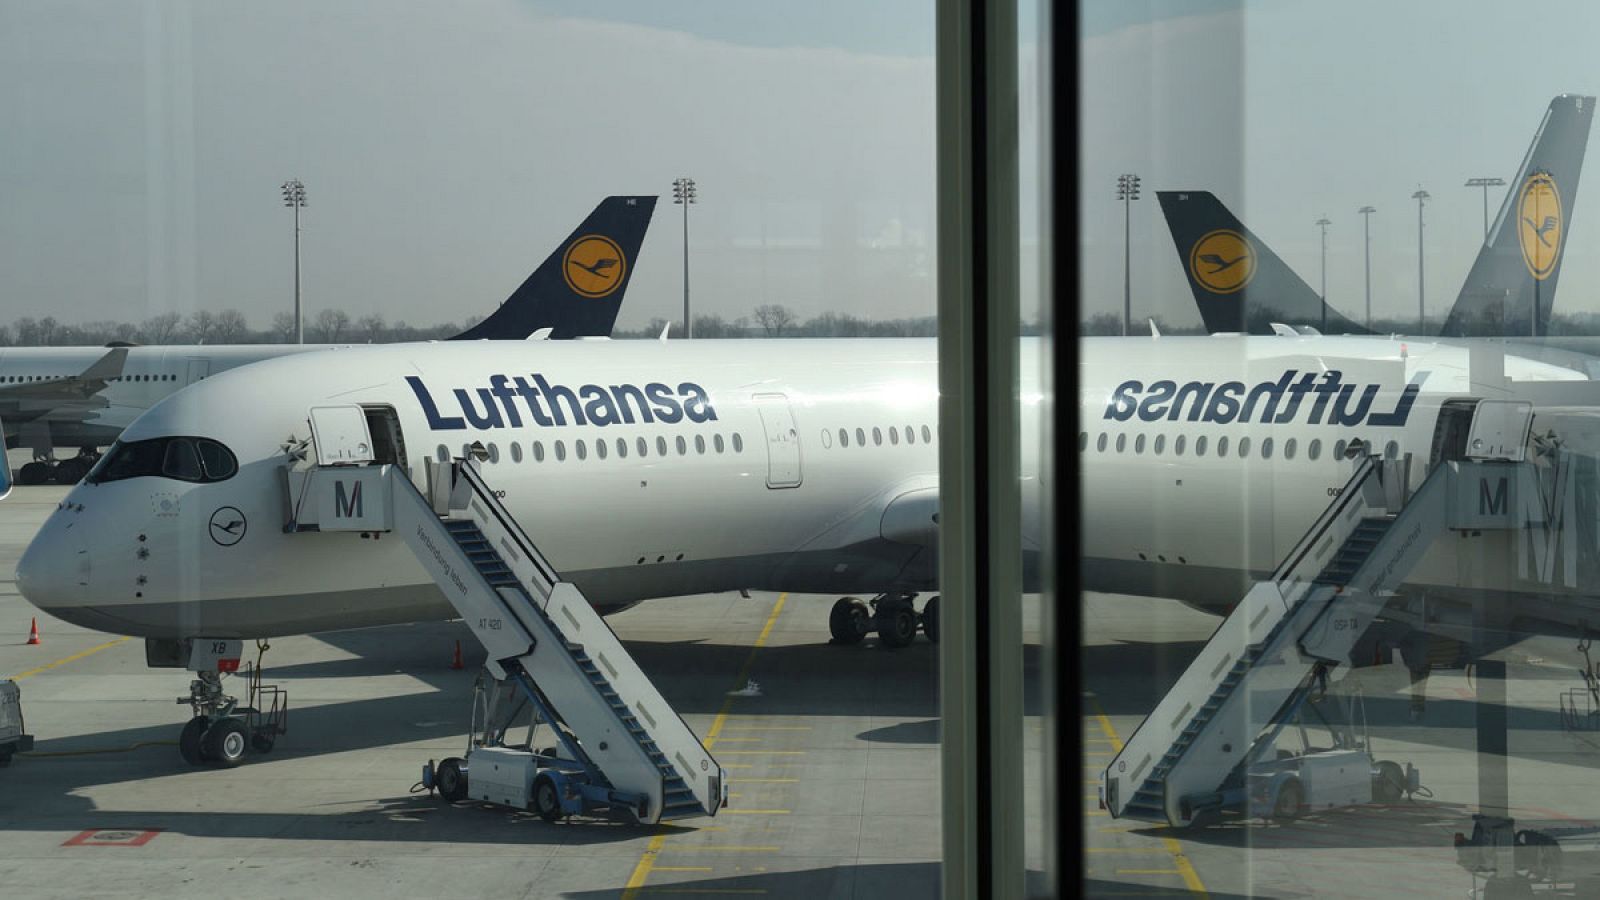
pixel 1222 262
pixel 227 526
pixel 593 266
pixel 1539 224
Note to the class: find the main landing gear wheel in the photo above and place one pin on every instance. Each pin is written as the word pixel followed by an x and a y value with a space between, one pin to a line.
pixel 897 622
pixel 849 621
pixel 189 740
pixel 1290 796
pixel 225 742
pixel 930 618
pixel 33 473
pixel 451 780
pixel 546 798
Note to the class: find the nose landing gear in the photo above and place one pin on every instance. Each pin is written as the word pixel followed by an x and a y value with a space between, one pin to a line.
pixel 892 616
pixel 221 729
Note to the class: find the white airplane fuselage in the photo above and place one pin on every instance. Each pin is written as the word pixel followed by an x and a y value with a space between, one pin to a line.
pixel 766 465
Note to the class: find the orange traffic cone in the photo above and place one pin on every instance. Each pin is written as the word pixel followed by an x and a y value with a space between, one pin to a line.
pixel 454 663
pixel 33 633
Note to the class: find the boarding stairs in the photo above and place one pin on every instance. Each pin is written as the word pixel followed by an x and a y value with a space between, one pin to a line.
pixel 1279 644
pixel 622 740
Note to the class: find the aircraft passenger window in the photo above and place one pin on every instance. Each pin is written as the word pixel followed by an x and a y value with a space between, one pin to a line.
pixel 827 439
pixel 1138 444
pixel 1100 443
pixel 894 437
pixel 1122 442
pixel 561 451
pixel 494 452
pixel 844 438
pixel 1244 447
pixel 1083 441
pixel 217 460
pixel 622 448
pixel 683 446
pixel 1266 448
pixel 538 451
pixel 661 446
pixel 911 436
pixel 1222 446
pixel 1200 445
pixel 1288 449
pixel 716 441
pixel 1314 450
pixel 644 447
pixel 583 452
pixel 861 437
pixel 738 443
pixel 877 437
pixel 1338 450
pixel 1177 445
pixel 516 452
pixel 1160 444
pixel 1392 451
pixel 599 448
pixel 700 443
pixel 443 453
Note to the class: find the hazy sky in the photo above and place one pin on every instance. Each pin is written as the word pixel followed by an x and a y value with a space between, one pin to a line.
pixel 1290 110
pixel 446 148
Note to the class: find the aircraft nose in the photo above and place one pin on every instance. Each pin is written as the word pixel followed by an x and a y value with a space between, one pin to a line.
pixel 54 571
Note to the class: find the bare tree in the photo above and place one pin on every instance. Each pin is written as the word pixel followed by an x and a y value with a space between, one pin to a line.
pixel 283 326
pixel 126 332
pixel 6 340
pixel 713 326
pixel 202 326
pixel 373 328
pixel 49 330
pixel 27 332
pixel 160 329
pixel 231 327
pixel 774 318
pixel 331 323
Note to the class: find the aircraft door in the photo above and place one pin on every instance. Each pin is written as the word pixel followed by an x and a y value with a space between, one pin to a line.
pixel 783 440
pixel 196 368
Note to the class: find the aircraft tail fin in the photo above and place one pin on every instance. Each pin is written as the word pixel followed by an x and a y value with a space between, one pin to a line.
pixel 1511 287
pixel 577 291
pixel 1238 282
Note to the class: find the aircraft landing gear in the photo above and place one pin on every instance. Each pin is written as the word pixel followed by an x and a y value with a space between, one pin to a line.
pixel 48 470
pixel 849 621
pixel 221 730
pixel 896 620
pixel 892 616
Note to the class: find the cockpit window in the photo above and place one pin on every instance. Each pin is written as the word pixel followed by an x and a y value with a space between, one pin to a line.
pixel 181 458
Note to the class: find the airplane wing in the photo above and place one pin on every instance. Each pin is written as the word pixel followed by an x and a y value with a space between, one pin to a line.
pixel 72 390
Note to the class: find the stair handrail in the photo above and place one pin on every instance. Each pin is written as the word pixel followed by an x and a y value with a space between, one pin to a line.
pixel 1331 515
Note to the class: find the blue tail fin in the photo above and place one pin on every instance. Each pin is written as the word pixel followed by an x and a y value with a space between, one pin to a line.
pixel 578 290
pixel 1512 285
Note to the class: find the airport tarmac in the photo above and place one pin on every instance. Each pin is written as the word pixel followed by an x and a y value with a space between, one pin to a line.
pixel 1136 647
pixel 833 762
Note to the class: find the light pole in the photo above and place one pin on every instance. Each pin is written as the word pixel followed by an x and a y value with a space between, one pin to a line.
pixel 1485 183
pixel 1420 196
pixel 1366 214
pixel 1323 223
pixel 1127 192
pixel 683 194
pixel 294 196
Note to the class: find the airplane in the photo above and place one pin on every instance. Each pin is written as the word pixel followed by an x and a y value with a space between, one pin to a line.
pixel 84 396
pixel 1241 285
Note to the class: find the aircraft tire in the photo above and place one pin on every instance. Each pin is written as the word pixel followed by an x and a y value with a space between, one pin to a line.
pixel 847 622
pixel 897 623
pixel 225 742
pixel 1287 805
pixel 930 618
pixel 189 740
pixel 451 779
pixel 33 473
pixel 546 797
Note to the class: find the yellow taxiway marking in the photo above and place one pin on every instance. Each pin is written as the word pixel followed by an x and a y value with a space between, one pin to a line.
pixel 1121 850
pixel 769 728
pixel 705 890
pixel 733 740
pixel 73 658
pixel 647 859
pixel 1148 872
pixel 1191 878
pixel 724 848
pixel 682 869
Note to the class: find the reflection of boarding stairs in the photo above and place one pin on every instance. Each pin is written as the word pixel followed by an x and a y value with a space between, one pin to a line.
pixel 1290 630
pixel 626 748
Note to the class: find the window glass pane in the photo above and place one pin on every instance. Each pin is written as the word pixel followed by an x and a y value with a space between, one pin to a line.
pixel 182 461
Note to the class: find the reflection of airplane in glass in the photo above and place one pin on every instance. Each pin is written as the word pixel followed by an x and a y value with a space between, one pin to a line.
pixel 1518 264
